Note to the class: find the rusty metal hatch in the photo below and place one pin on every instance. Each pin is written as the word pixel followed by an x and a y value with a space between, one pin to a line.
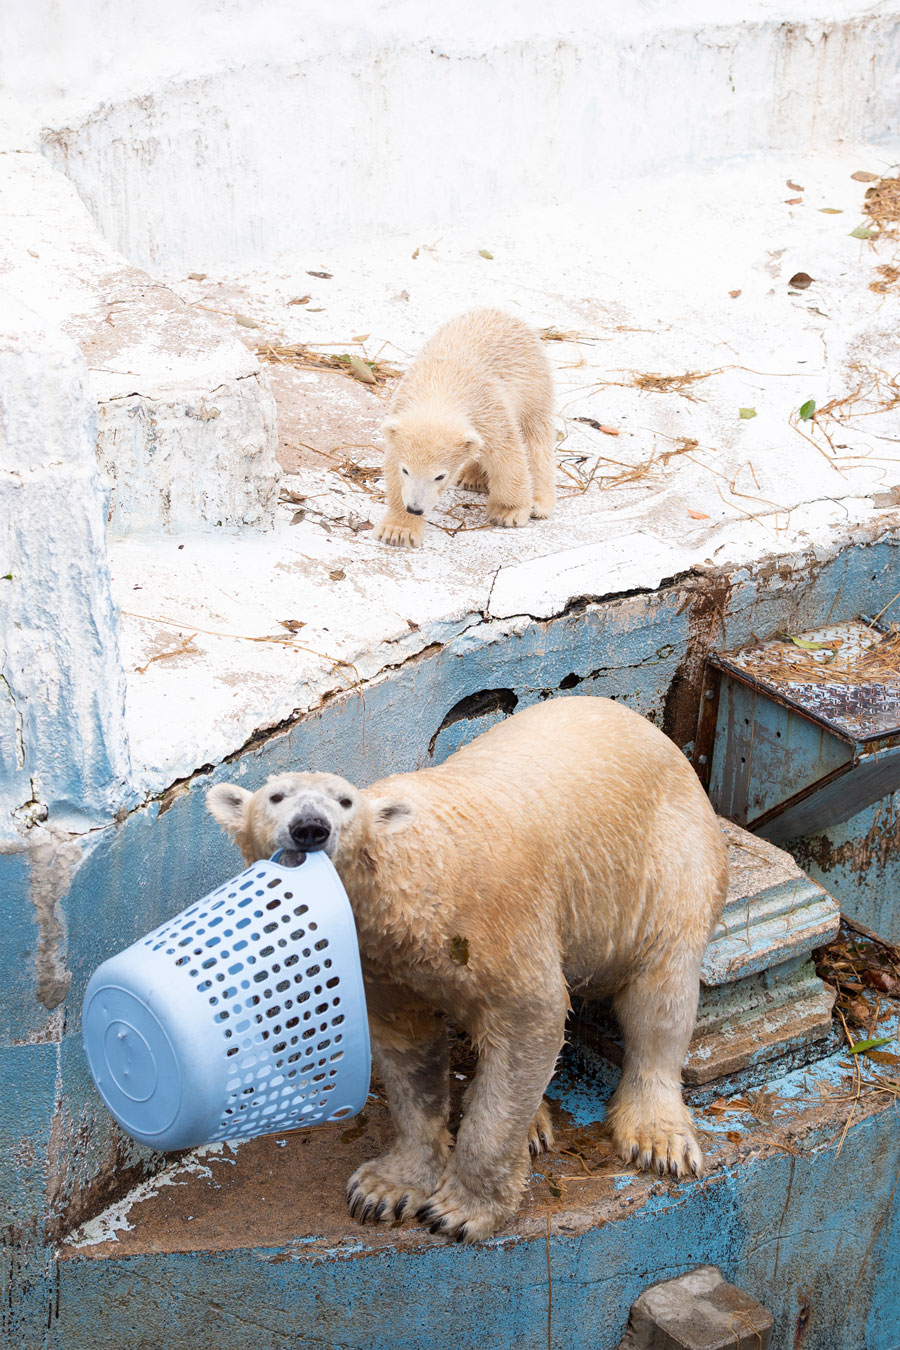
pixel 798 733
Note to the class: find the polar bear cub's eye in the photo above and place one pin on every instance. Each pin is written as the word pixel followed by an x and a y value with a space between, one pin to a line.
pixel 276 797
pixel 404 471
pixel 439 478
pixel 345 802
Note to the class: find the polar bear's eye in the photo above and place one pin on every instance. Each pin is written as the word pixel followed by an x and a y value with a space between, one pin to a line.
pixel 404 471
pixel 345 802
pixel 276 797
pixel 439 478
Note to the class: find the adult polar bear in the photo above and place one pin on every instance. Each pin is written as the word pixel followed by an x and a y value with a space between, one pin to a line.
pixel 569 848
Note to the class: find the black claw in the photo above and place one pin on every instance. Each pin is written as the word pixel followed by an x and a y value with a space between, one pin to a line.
pixel 694 1169
pixel 358 1200
pixel 364 1217
pixel 400 1207
pixel 661 1166
pixel 425 1214
pixel 379 1212
pixel 437 1227
pixel 546 1142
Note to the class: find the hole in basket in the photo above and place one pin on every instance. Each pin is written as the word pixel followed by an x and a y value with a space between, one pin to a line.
pixel 274 903
pixel 300 910
pixel 330 984
pixel 276 881
pixel 312 970
pixel 320 945
pixel 340 1112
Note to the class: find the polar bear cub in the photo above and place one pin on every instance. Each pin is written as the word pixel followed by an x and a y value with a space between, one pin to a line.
pixel 569 848
pixel 476 409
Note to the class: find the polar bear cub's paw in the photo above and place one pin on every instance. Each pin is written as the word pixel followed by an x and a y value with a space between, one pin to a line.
pixel 511 517
pixel 456 1212
pixel 401 534
pixel 662 1141
pixel 472 477
pixel 389 1187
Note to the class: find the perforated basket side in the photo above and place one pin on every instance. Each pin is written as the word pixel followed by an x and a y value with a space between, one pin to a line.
pixel 266 972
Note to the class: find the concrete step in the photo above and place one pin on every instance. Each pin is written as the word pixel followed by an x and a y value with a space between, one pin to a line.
pixel 670 309
pixel 185 418
pixel 254 1243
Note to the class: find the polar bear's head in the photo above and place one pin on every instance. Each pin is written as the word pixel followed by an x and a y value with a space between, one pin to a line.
pixel 304 813
pixel 428 451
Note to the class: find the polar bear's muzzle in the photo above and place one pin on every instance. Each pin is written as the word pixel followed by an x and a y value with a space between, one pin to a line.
pixel 310 834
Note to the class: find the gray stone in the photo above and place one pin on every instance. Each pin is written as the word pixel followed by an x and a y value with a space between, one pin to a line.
pixel 697 1311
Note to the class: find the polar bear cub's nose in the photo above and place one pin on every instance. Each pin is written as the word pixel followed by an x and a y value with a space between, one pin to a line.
pixel 309 833
pixel 415 511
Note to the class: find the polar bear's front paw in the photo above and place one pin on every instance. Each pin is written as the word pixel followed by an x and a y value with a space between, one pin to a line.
pixel 401 533
pixel 542 507
pixel 511 517
pixel 456 1212
pixel 663 1143
pixel 389 1187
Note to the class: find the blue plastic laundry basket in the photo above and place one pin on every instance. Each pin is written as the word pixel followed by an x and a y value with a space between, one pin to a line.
pixel 243 1015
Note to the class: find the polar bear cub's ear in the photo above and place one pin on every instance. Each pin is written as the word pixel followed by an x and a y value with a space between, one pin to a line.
pixel 228 803
pixel 390 427
pixel 390 814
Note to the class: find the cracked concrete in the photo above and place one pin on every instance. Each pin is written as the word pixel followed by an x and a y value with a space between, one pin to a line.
pixel 54 859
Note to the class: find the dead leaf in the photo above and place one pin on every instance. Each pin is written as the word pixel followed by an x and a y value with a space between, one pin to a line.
pixel 795 187
pixel 733 1135
pixel 246 322
pixel 361 370
pixel 363 337
pixel 830 211
pixel 338 574
pixel 883 1057
pixel 196 276
pixel 861 176
pixel 793 201
pixel 697 515
pixel 325 276
pixel 800 281
pixel 413 627
pixel 485 253
pixel 293 625
pixel 300 300
pixel 734 294
pixel 415 255
pixel 861 233
pixel 554 1188
pixel 598 426
pixel 297 517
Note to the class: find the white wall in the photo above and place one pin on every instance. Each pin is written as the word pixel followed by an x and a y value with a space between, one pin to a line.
pixel 210 132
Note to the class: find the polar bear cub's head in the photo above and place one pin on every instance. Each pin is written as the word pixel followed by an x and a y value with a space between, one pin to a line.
pixel 304 813
pixel 427 451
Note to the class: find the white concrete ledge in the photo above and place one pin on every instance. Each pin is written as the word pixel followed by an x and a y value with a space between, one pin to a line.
pixel 186 428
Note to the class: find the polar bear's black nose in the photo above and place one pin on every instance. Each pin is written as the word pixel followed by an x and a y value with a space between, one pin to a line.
pixel 310 834
pixel 415 511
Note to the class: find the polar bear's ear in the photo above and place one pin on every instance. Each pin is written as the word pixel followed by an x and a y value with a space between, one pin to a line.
pixel 390 428
pixel 391 813
pixel 471 442
pixel 228 803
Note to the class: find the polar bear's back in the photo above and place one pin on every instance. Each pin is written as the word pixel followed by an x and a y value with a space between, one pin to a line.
pixel 582 800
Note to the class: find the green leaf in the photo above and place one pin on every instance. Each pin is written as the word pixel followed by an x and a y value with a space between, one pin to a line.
pixel 7 576
pixel 747 413
pixel 861 233
pixel 811 646
pixel 861 1047
pixel 485 253
pixel 808 408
